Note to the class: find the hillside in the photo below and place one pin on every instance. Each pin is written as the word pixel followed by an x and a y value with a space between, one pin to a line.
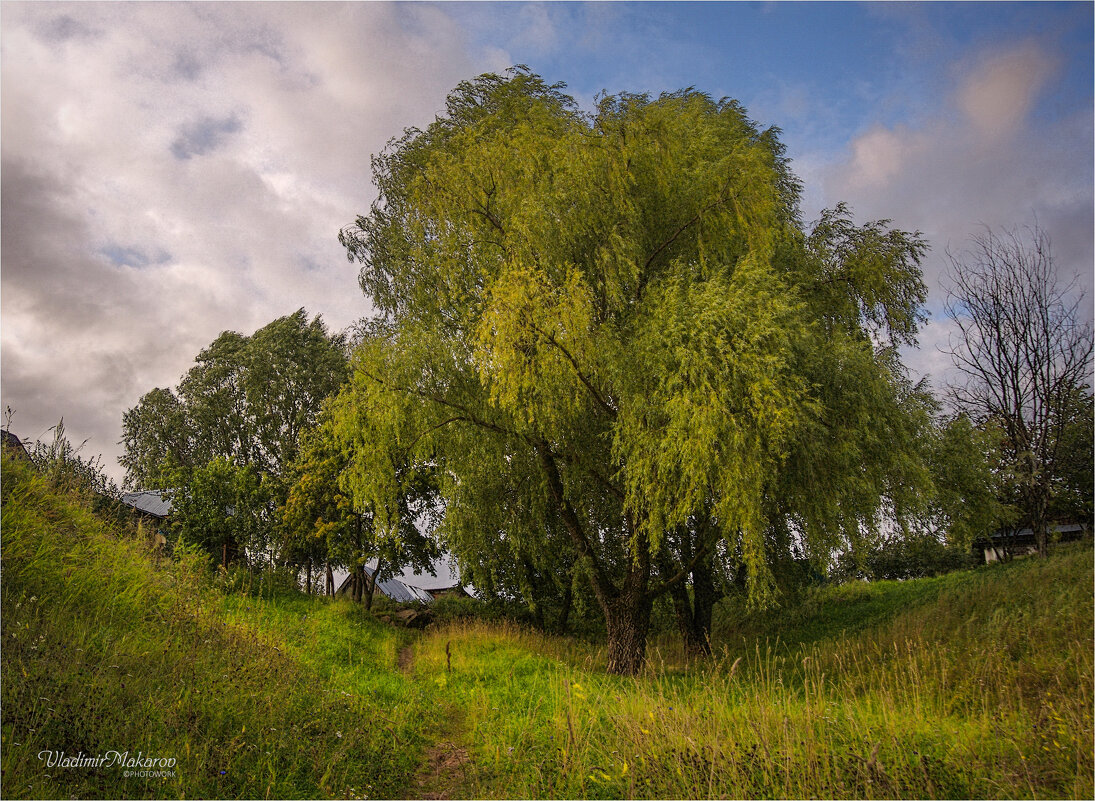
pixel 108 648
pixel 975 684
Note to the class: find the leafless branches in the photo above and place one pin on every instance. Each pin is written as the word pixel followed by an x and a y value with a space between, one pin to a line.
pixel 1024 346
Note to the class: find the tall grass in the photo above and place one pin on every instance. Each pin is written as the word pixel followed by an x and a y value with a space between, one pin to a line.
pixel 105 648
pixel 974 685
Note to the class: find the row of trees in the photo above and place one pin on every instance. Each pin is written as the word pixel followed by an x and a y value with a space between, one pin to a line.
pixel 256 466
pixel 609 363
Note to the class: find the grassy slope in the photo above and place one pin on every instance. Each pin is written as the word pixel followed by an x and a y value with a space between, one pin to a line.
pixel 976 684
pixel 970 685
pixel 105 649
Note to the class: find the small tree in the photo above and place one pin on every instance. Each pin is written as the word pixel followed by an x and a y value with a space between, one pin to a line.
pixel 243 405
pixel 1024 351
pixel 324 515
pixel 314 510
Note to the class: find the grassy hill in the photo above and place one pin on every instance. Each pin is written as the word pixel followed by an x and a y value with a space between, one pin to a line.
pixel 974 684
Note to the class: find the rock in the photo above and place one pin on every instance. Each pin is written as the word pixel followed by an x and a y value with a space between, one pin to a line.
pixel 412 618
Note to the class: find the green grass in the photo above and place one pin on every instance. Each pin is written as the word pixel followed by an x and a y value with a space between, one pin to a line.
pixel 975 684
pixel 106 648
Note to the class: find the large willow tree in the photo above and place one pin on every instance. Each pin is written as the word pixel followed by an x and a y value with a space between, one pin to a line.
pixel 617 322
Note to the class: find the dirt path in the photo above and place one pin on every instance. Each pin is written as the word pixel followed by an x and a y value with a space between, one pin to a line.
pixel 443 771
pixel 444 765
pixel 405 660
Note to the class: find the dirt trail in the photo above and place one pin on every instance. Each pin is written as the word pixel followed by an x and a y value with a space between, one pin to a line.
pixel 443 771
pixel 444 764
pixel 405 660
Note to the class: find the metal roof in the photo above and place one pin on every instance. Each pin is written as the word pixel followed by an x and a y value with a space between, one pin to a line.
pixel 151 502
pixel 14 442
pixel 394 589
pixel 1052 528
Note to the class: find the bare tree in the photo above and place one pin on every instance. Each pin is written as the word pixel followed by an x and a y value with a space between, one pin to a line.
pixel 1023 345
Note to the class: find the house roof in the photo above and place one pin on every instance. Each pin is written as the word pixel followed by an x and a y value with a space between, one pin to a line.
pixel 394 588
pixel 13 442
pixel 151 502
pixel 1060 529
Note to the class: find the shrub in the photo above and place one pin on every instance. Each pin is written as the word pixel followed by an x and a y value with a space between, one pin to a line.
pixel 899 558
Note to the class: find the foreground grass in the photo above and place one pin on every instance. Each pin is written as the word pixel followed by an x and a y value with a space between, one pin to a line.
pixel 973 685
pixel 104 649
pixel 976 684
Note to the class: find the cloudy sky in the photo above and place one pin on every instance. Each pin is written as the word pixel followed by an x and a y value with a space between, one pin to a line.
pixel 173 170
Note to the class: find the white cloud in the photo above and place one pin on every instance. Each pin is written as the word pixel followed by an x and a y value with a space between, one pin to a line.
pixel 994 163
pixel 879 155
pixel 174 170
pixel 997 96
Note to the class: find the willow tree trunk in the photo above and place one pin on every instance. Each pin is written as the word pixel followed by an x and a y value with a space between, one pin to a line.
pixel 626 607
pixel 693 622
pixel 627 618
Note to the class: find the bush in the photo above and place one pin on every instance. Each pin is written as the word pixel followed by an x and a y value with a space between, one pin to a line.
pixel 900 558
pixel 451 607
pixel 267 582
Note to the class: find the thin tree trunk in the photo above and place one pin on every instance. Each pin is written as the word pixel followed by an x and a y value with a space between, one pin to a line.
pixel 1041 538
pixel 568 602
pixel 330 581
pixel 535 603
pixel 372 586
pixel 704 597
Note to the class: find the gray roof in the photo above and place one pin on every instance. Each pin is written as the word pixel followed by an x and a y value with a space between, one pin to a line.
pixel 1052 528
pixel 14 442
pixel 151 502
pixel 394 589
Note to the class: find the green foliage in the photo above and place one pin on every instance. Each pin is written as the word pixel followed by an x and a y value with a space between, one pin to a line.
pixel 905 557
pixel 224 508
pixel 246 400
pixel 966 501
pixel 226 437
pixel 317 518
pixel 1073 491
pixel 616 327
pixel 448 609
pixel 395 529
